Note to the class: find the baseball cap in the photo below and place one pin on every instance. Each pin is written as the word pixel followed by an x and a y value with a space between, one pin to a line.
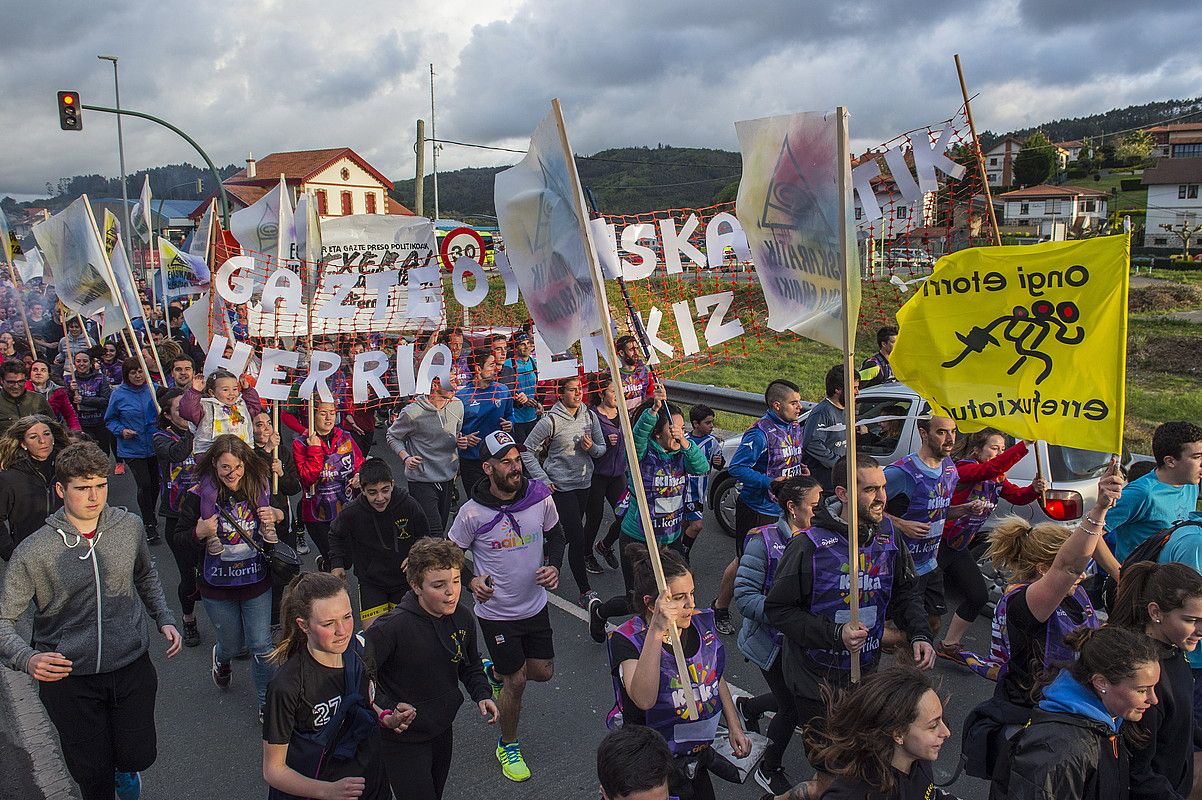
pixel 497 444
pixel 521 336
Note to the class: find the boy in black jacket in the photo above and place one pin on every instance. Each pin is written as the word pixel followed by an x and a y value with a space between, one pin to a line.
pixel 373 535
pixel 417 655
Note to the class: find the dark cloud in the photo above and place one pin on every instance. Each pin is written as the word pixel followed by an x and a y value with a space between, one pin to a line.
pixel 263 75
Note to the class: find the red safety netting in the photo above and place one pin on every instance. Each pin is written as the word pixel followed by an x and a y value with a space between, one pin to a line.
pixel 894 252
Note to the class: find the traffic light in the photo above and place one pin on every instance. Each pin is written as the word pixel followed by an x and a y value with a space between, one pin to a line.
pixel 70 114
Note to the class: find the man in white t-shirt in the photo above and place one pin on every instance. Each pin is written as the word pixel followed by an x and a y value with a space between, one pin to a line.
pixel 512 530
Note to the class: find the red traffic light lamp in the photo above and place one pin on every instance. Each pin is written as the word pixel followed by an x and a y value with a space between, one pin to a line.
pixel 70 114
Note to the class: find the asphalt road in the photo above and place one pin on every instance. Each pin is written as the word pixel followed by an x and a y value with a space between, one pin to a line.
pixel 209 739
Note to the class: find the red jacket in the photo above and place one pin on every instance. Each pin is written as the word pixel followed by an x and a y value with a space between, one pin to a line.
pixel 60 404
pixel 310 462
pixel 973 472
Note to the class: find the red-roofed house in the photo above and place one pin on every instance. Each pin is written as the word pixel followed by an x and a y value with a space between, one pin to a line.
pixel 1055 209
pixel 343 182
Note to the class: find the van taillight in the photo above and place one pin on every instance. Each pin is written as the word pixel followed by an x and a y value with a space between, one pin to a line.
pixel 1063 505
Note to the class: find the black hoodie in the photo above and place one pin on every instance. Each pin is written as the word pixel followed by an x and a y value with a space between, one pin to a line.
pixel 375 543
pixel 420 659
pixel 27 497
pixel 788 605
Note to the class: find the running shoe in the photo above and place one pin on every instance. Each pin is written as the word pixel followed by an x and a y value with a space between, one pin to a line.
pixel 302 547
pixel 591 565
pixel 587 599
pixel 191 634
pixel 951 652
pixel 493 682
pixel 513 766
pixel 152 534
pixel 128 785
pixel 723 621
pixel 607 553
pixel 774 780
pixel 222 673
pixel 596 622
pixel 320 563
pixel 750 723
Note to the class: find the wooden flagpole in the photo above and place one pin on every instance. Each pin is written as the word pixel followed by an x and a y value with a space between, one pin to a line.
pixel 69 365
pixel 83 323
pixel 611 352
pixel 976 144
pixel 849 366
pixel 129 323
pixel 12 271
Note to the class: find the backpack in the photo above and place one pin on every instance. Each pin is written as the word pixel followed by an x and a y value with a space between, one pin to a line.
pixel 1148 550
pixel 544 449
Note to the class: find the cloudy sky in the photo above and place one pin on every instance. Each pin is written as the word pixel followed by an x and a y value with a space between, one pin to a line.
pixel 266 75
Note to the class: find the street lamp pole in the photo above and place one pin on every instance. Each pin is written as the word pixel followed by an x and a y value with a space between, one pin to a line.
pixel 121 156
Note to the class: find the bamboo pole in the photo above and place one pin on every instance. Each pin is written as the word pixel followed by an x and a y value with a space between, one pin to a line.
pixel 636 482
pixel 275 448
pixel 69 361
pixel 849 366
pixel 121 303
pixel 12 270
pixel 997 235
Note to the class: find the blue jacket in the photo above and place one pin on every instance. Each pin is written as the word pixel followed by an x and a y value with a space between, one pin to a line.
pixel 134 409
pixel 755 637
pixel 749 467
pixel 1065 696
pixel 483 410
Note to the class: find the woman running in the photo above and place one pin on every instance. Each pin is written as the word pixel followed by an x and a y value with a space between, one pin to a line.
pixel 28 449
pixel 321 737
pixel 559 451
pixel 1076 744
pixel 646 678
pixel 173 448
pixel 879 739
pixel 981 465
pixel 609 475
pixel 229 510
pixel 58 397
pixel 759 642
pixel 1164 601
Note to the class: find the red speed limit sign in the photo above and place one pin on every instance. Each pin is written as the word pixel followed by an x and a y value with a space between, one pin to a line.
pixel 461 242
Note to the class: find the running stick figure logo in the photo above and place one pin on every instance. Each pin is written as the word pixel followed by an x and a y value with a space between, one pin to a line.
pixel 1026 330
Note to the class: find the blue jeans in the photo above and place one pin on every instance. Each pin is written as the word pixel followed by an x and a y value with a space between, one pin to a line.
pixel 244 623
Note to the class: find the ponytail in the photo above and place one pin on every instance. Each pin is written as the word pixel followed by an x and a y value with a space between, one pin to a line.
pixel 1019 548
pixel 1113 652
pixel 1167 585
pixel 302 592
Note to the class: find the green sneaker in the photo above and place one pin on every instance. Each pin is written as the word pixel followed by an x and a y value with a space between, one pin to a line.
pixel 513 766
pixel 491 676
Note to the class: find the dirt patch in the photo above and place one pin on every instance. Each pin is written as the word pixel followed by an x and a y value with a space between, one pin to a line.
pixel 1164 297
pixel 1174 355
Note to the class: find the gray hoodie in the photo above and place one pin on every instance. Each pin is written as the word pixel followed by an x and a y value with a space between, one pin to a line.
pixel 88 596
pixel 432 433
pixel 567 466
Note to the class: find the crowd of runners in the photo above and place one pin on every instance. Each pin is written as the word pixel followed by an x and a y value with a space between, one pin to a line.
pixel 505 479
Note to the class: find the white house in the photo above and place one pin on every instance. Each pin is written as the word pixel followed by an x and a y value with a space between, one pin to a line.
pixel 1055 210
pixel 1071 148
pixel 342 181
pixel 1173 198
pixel 999 161
pixel 897 216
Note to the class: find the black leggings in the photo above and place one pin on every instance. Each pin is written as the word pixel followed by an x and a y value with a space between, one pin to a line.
pixel 102 435
pixel 605 489
pixel 185 559
pixel 570 505
pixel 417 770
pixel 699 787
pixel 319 532
pixel 105 723
pixel 146 475
pixel 960 570
pixel 435 500
pixel 780 700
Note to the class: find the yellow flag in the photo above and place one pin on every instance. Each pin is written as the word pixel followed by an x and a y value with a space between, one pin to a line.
pixel 1031 340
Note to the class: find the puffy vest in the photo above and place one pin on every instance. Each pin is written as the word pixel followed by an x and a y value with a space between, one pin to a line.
pixel 776 539
pixel 830 596
pixel 670 714
pixel 928 503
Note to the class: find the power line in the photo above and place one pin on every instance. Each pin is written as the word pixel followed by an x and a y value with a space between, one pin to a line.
pixel 582 158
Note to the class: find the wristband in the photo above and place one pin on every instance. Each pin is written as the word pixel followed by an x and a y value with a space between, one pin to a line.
pixel 383 714
pixel 1095 522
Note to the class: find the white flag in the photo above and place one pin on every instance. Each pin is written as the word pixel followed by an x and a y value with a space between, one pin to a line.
pixel 203 235
pixel 30 266
pixel 266 226
pixel 74 253
pixel 540 209
pixel 307 226
pixel 141 221
pixel 789 206
pixel 121 274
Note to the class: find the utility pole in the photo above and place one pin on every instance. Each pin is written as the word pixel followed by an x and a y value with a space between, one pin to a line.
pixel 419 188
pixel 129 249
pixel 434 149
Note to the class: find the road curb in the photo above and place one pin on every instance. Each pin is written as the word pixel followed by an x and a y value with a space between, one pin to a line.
pixel 33 733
